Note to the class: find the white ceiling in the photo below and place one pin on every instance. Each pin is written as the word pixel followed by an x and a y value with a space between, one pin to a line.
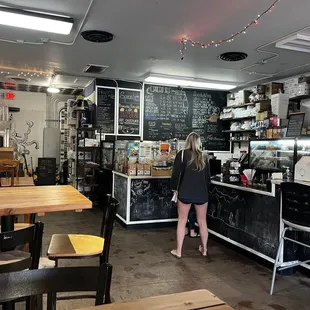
pixel 147 35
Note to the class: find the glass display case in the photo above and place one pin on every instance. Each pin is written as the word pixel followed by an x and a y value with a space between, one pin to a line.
pixel 303 147
pixel 273 155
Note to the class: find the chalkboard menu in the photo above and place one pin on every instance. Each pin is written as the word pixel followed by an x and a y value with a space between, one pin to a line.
pixel 106 109
pixel 171 112
pixel 129 112
pixel 46 171
pixel 295 124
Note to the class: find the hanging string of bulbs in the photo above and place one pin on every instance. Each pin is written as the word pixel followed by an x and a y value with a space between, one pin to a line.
pixel 185 41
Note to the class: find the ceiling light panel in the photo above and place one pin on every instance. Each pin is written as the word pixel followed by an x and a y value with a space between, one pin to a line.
pixel 189 83
pixel 35 21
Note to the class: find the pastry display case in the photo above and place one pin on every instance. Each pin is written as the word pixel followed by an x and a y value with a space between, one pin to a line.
pixel 273 155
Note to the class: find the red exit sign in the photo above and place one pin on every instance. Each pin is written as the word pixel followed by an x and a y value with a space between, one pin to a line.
pixel 9 96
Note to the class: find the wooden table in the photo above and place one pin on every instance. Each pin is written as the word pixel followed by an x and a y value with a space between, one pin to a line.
pixel 38 199
pixel 201 299
pixel 21 181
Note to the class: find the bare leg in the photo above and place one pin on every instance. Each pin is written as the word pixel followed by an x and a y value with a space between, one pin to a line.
pixel 201 213
pixel 183 210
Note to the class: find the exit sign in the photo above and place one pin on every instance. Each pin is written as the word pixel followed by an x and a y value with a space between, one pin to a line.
pixel 9 96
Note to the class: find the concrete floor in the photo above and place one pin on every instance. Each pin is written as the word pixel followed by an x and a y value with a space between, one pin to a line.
pixel 143 267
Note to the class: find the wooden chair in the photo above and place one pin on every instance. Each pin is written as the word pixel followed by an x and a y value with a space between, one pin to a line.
pixel 11 166
pixel 73 246
pixel 12 259
pixel 54 280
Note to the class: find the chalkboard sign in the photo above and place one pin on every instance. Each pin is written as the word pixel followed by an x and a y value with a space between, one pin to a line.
pixel 46 171
pixel 129 112
pixel 151 199
pixel 106 109
pixel 245 217
pixel 295 124
pixel 170 112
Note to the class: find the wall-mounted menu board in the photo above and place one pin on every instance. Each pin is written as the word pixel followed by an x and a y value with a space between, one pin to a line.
pixel 295 124
pixel 106 109
pixel 129 112
pixel 171 112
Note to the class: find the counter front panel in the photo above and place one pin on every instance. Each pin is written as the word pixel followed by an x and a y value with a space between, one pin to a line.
pixel 120 192
pixel 250 219
pixel 151 199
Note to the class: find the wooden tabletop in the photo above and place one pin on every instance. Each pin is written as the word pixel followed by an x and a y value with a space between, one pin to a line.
pixel 41 199
pixel 201 299
pixel 21 181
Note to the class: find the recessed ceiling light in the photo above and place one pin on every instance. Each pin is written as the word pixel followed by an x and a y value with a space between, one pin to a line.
pixel 35 21
pixel 53 90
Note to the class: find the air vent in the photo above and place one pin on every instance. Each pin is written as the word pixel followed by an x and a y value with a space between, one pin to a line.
pixel 17 79
pixel 97 36
pixel 95 69
pixel 233 56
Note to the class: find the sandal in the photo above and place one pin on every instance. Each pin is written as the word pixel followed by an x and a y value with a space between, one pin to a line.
pixel 174 254
pixel 195 235
pixel 201 251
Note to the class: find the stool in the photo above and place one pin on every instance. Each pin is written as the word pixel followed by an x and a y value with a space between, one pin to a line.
pixel 295 217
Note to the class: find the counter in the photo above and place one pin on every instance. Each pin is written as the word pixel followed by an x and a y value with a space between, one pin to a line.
pixel 246 217
pixel 144 200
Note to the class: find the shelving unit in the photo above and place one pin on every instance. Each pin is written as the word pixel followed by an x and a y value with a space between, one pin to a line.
pixel 88 159
pixel 64 134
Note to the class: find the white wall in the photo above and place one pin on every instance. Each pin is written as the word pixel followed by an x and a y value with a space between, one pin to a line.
pixel 32 109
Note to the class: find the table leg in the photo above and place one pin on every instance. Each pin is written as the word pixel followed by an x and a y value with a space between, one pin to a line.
pixel 7 224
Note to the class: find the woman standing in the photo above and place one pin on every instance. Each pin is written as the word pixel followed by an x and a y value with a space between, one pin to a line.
pixel 191 178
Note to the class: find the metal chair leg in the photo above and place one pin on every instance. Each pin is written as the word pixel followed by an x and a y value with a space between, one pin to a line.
pixel 275 267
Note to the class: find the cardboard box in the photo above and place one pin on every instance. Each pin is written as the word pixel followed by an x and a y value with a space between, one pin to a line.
pixel 132 169
pixel 263 106
pixel 263 115
pixel 140 169
pixel 274 88
pixel 147 169
pixel 303 89
pixel 279 105
pixel 161 172
pixel 243 96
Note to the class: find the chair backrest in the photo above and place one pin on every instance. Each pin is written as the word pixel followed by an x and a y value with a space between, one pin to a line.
pixel 31 235
pixel 109 214
pixel 296 203
pixel 22 284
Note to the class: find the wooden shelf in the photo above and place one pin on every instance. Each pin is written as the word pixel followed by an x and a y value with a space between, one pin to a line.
pixel 239 141
pixel 300 98
pixel 238 131
pixel 238 118
pixel 240 105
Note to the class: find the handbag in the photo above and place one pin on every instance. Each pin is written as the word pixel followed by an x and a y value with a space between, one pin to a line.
pixel 176 193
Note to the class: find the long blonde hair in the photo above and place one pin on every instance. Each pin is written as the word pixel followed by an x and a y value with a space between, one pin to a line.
pixel 193 143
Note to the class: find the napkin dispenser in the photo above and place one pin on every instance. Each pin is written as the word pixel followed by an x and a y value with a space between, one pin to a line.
pixel 302 169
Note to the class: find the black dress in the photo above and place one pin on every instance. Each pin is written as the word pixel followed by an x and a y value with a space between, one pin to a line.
pixel 194 184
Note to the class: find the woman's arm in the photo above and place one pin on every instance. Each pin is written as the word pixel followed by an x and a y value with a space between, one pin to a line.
pixel 177 170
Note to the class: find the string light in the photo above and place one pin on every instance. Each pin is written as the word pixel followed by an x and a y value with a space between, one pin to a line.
pixel 255 21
